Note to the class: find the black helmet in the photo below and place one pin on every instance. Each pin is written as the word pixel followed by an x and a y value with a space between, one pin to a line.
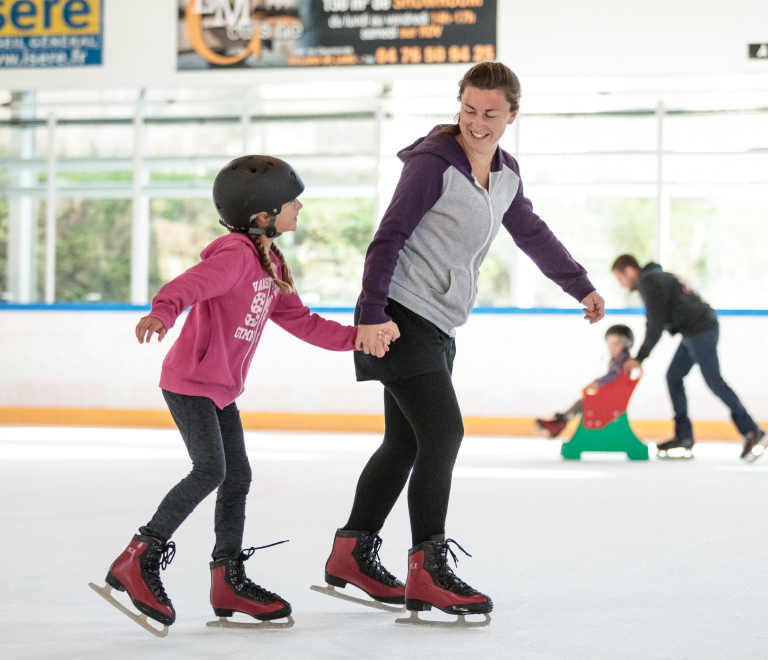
pixel 623 331
pixel 251 184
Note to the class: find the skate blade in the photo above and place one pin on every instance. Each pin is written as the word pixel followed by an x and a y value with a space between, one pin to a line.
pixel 224 622
pixel 330 590
pixel 664 455
pixel 757 451
pixel 460 622
pixel 106 593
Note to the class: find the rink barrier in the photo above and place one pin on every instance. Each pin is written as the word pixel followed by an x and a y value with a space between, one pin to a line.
pixel 127 307
pixel 329 423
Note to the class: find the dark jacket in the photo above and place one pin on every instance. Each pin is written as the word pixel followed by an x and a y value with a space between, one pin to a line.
pixel 670 305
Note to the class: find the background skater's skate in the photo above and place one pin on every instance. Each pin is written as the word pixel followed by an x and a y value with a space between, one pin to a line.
pixel 432 583
pixel 551 427
pixel 680 448
pixel 754 444
pixel 232 591
pixel 355 560
pixel 137 571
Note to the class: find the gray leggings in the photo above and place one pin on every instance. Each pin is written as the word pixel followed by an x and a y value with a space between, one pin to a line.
pixel 216 445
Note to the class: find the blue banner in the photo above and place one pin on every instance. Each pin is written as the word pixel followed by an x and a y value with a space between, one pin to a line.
pixel 50 33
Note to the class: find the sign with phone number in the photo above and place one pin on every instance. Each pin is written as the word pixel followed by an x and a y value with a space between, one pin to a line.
pixel 313 33
pixel 50 33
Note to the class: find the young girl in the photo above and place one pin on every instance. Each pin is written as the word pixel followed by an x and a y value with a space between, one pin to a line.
pixel 619 339
pixel 241 282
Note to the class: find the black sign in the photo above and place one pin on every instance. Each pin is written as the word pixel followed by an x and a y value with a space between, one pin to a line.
pixel 290 33
pixel 758 51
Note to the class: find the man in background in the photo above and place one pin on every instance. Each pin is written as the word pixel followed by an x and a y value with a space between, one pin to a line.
pixel 672 305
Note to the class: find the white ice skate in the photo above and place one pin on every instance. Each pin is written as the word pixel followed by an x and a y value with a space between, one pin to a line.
pixel 758 450
pixel 106 593
pixel 459 622
pixel 675 449
pixel 330 590
pixel 226 622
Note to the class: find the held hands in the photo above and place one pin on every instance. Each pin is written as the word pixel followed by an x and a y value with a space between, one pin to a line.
pixel 594 307
pixel 148 326
pixel 375 339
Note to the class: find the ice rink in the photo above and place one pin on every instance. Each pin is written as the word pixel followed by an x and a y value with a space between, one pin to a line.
pixel 596 559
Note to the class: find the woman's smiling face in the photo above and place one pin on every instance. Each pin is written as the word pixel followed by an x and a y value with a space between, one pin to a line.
pixel 485 115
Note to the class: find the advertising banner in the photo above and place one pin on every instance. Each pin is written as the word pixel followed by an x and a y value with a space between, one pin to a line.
pixel 313 33
pixel 50 33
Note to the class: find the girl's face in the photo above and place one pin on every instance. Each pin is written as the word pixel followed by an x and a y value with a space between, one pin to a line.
pixel 484 117
pixel 615 345
pixel 287 219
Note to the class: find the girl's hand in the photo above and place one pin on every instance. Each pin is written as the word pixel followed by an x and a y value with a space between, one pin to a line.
pixel 388 333
pixel 392 330
pixel 148 326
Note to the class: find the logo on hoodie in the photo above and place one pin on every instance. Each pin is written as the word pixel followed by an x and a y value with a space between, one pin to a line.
pixel 259 311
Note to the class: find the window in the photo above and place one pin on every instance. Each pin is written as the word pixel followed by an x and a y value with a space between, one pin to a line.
pixel 93 255
pixel 593 177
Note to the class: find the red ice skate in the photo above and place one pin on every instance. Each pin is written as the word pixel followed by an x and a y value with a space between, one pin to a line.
pixel 432 583
pixel 552 427
pixel 232 591
pixel 137 571
pixel 355 560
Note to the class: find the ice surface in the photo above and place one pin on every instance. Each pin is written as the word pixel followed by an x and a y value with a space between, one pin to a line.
pixel 596 559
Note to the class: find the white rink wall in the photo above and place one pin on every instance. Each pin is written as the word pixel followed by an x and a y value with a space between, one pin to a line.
pixel 508 365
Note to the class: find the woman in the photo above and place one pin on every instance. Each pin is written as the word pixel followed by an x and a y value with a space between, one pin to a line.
pixel 456 189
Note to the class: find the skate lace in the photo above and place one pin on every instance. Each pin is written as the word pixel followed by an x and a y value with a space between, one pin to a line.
pixel 158 558
pixel 445 573
pixel 244 583
pixel 370 556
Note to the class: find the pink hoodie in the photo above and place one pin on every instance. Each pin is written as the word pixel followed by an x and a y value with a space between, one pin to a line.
pixel 231 297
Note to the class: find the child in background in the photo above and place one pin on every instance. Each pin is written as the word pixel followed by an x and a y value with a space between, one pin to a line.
pixel 619 339
pixel 241 282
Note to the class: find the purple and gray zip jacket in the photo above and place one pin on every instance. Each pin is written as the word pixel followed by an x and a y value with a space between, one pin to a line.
pixel 437 231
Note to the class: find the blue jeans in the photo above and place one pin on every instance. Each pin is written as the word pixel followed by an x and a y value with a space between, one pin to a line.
pixel 701 349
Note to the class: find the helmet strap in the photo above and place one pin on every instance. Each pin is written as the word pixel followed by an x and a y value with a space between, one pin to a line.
pixel 270 231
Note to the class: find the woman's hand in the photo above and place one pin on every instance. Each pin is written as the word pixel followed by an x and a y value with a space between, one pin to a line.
pixel 594 307
pixel 148 326
pixel 375 339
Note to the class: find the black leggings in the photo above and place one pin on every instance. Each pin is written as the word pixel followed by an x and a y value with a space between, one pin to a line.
pixel 214 439
pixel 423 431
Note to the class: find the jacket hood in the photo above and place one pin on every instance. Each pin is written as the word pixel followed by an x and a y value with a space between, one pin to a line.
pixel 651 267
pixel 446 147
pixel 217 244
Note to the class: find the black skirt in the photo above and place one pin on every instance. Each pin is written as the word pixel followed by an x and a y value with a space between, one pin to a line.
pixel 422 348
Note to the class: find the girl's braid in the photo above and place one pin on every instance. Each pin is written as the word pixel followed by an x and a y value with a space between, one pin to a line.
pixel 269 267
pixel 287 277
